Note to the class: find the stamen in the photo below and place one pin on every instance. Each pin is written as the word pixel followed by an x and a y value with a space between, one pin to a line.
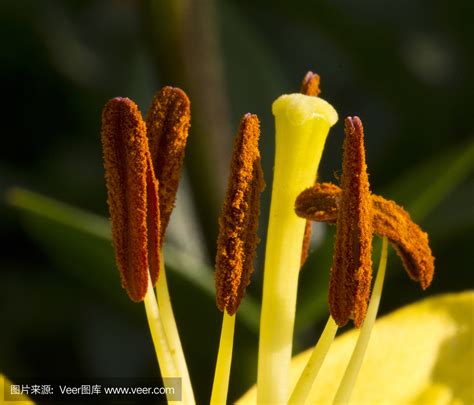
pixel 309 87
pixel 349 378
pixel 351 273
pixel 132 192
pixel 321 202
pixel 167 130
pixel 168 122
pixel 239 219
pixel 236 243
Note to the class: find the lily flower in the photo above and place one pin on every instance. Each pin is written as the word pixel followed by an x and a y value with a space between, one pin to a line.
pixel 422 353
pixel 143 161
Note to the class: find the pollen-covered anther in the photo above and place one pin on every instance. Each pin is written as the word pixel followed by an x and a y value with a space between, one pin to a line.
pixel 409 241
pixel 132 195
pixel 321 202
pixel 310 84
pixel 168 121
pixel 351 272
pixel 238 222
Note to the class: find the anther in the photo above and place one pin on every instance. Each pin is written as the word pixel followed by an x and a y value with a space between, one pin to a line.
pixel 238 222
pixel 321 202
pixel 168 122
pixel 132 195
pixel 310 84
pixel 351 272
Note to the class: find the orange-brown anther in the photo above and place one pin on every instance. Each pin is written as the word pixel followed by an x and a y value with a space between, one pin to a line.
pixel 168 121
pixel 310 84
pixel 321 202
pixel 409 241
pixel 132 195
pixel 351 272
pixel 238 222
pixel 309 87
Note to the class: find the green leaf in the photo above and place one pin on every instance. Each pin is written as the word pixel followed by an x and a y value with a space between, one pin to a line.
pixel 77 242
pixel 80 243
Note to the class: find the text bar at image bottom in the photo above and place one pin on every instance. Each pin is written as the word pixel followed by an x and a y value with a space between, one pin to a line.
pixel 46 390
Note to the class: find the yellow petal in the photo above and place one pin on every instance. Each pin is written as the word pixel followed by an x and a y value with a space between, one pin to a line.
pixel 420 354
pixel 6 398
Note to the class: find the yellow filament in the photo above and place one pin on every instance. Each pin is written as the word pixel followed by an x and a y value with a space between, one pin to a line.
pixel 350 376
pixel 172 335
pixel 162 349
pixel 224 361
pixel 310 372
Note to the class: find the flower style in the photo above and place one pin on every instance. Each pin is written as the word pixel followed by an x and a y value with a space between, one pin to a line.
pixel 302 125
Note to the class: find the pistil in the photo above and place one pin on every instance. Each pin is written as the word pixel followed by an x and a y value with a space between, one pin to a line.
pixel 302 125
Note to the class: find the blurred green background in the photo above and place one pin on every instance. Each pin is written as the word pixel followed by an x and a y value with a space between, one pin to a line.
pixel 406 68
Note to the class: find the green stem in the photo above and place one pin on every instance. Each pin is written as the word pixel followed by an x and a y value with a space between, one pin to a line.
pixel 350 376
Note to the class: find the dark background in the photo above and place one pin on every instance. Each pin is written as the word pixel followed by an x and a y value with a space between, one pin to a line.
pixel 405 68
